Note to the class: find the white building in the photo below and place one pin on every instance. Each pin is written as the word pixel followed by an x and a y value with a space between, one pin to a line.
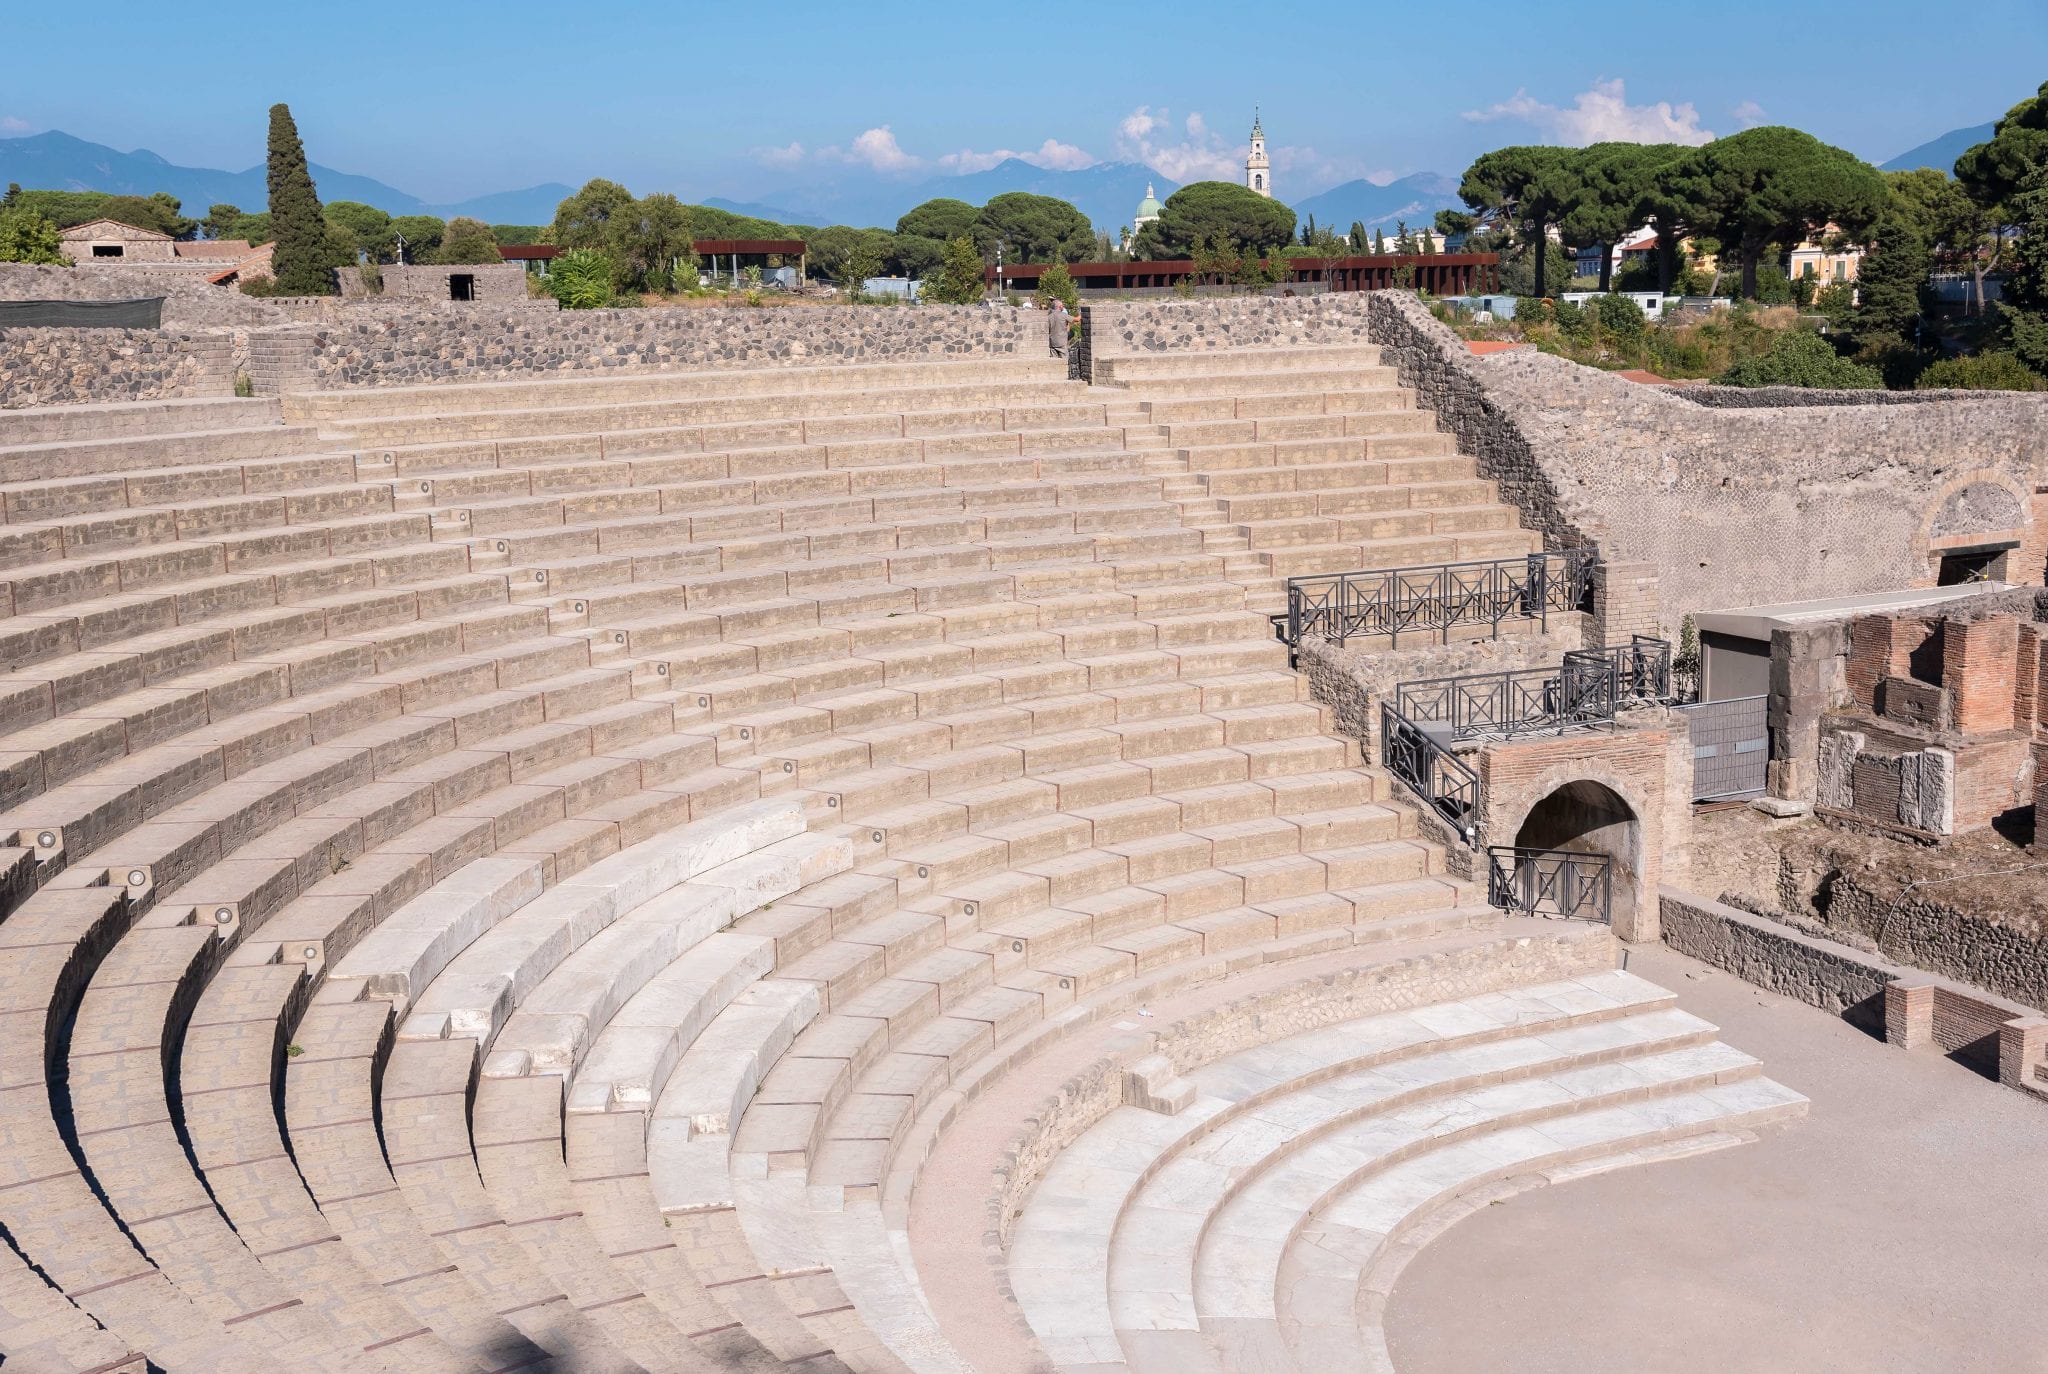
pixel 1258 172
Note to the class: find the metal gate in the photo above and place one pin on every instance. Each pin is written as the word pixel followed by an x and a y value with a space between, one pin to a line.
pixel 1731 747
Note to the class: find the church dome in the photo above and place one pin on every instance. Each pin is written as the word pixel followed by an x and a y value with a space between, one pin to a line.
pixel 1148 208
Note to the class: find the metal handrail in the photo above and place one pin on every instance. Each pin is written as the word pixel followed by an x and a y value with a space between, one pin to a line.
pixel 1550 882
pixel 1435 598
pixel 1587 689
pixel 1420 759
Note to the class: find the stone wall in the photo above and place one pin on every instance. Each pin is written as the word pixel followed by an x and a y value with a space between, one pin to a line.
pixel 1817 972
pixel 496 284
pixel 41 367
pixel 1964 937
pixel 189 300
pixel 1734 507
pixel 1765 397
pixel 483 343
pixel 1230 322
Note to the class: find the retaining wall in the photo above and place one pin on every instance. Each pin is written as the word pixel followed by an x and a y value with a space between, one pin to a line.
pixel 41 367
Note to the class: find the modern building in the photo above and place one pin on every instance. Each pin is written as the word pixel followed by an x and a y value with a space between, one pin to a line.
pixel 1258 171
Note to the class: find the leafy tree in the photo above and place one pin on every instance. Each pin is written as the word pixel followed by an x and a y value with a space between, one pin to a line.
pixel 1611 191
pixel 828 249
pixel 1890 281
pixel 1799 358
pixel 914 255
pixel 468 241
pixel 220 221
pixel 863 260
pixel 1032 229
pixel 367 225
pixel 517 235
pixel 1836 302
pixel 1058 285
pixel 1522 192
pixel 943 218
pixel 1221 211
pixel 585 219
pixel 1358 242
pixel 652 236
pixel 1995 371
pixel 2025 311
pixel 1996 171
pixel 420 235
pixel 1522 267
pixel 1379 242
pixel 1404 242
pixel 1772 186
pixel 959 281
pixel 1619 318
pixel 26 236
pixel 303 264
pixel 581 279
pixel 251 229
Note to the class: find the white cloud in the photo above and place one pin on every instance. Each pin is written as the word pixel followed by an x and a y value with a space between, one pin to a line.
pixel 1749 114
pixel 10 124
pixel 1199 155
pixel 788 156
pixel 879 149
pixel 1052 155
pixel 1602 115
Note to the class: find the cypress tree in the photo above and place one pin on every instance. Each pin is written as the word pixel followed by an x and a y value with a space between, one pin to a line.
pixel 296 221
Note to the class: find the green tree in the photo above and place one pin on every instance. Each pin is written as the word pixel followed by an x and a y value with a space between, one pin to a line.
pixel 1058 285
pixel 1995 175
pixel 914 255
pixel 1031 228
pixel 252 229
pixel 1799 358
pixel 1612 192
pixel 1889 285
pixel 304 262
pixel 652 236
pixel 863 261
pixel 418 237
pixel 366 224
pixel 959 280
pixel 1207 211
pixel 1357 242
pixel 943 218
pixel 581 279
pixel 1521 192
pixel 2025 310
pixel 587 218
pixel 26 236
pixel 1379 242
pixel 468 241
pixel 220 221
pixel 1773 186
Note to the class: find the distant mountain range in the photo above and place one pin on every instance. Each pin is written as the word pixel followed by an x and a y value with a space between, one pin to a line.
pixel 1941 153
pixel 1414 199
pixel 56 161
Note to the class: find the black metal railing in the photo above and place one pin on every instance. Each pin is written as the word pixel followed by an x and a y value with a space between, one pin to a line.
pixel 1586 689
pixel 1550 882
pixel 1422 759
pixel 1437 598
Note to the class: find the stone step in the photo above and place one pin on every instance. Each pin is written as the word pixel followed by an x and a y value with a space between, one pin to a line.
pixel 120 419
pixel 99 457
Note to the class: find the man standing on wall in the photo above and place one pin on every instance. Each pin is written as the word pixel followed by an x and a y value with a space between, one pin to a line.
pixel 1057 323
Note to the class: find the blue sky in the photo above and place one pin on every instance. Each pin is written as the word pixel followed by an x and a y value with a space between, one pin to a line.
pixel 448 100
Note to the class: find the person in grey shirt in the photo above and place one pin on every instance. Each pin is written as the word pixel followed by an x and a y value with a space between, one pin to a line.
pixel 1056 324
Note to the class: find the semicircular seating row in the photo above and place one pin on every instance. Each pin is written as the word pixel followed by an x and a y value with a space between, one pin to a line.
pixel 468 837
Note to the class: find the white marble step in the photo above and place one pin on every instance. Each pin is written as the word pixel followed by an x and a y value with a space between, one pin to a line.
pixel 1315 1307
pixel 1446 1143
pixel 1059 1259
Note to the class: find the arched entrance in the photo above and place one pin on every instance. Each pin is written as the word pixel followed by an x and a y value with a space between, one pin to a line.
pixel 1588 817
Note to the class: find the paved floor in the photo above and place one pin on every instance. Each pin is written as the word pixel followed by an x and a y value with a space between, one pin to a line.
pixel 1901 1228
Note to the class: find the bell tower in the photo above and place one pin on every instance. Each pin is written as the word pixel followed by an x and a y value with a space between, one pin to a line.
pixel 1258 172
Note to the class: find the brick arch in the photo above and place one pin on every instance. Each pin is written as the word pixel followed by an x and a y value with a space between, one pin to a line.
pixel 1636 843
pixel 1931 540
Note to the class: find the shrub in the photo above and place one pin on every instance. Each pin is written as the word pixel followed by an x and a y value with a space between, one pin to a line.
pixel 1620 318
pixel 1999 371
pixel 1535 310
pixel 581 279
pixel 959 281
pixel 1058 285
pixel 1799 358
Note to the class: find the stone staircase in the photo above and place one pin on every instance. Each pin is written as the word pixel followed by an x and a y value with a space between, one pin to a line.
pixel 512 875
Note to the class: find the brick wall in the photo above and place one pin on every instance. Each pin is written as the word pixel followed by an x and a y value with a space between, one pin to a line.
pixel 1979 670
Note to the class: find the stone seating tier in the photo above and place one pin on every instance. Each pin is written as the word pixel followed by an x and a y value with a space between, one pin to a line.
pixel 511 875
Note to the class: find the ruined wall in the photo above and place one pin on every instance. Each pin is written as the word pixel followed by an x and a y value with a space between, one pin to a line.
pixel 481 343
pixel 189 300
pixel 41 367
